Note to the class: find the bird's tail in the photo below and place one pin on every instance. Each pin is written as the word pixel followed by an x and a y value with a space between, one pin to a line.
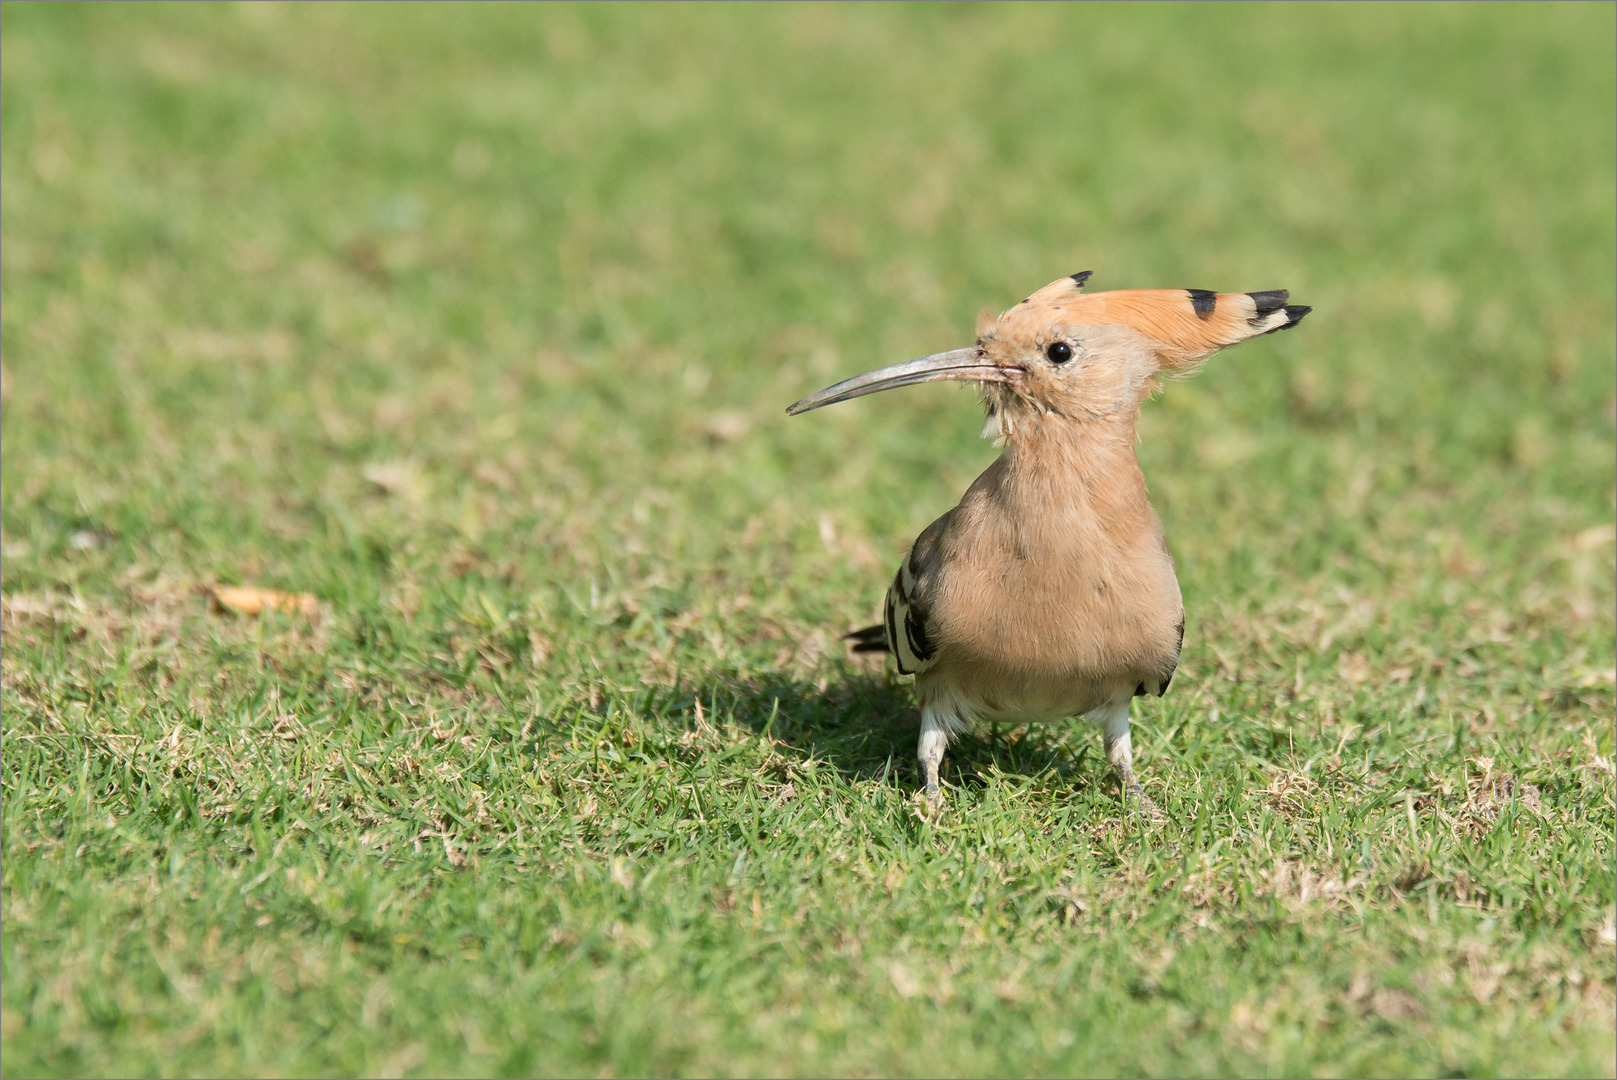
pixel 869 639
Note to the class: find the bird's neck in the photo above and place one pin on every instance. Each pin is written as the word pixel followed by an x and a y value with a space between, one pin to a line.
pixel 1086 466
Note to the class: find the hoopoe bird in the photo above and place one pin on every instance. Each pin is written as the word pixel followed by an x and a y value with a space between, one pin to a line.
pixel 1049 591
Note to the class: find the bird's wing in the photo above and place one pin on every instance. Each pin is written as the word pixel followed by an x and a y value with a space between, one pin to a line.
pixel 908 617
pixel 1160 685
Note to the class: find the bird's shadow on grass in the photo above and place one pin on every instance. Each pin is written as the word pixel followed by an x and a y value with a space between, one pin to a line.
pixel 865 724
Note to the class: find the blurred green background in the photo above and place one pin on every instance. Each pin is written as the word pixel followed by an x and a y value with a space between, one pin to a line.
pixel 478 324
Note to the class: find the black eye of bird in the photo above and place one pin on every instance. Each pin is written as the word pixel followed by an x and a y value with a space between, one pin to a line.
pixel 1059 352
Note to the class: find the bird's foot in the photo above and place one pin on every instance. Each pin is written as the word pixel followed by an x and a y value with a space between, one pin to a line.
pixel 1141 805
pixel 934 795
pixel 1135 798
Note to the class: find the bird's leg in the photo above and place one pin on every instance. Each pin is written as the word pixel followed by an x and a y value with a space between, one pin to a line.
pixel 934 738
pixel 1114 720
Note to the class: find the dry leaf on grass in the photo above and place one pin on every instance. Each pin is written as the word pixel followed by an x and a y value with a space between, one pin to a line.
pixel 904 983
pixel 726 426
pixel 401 478
pixel 1596 536
pixel 1354 667
pixel 21 607
pixel 1396 1005
pixel 250 600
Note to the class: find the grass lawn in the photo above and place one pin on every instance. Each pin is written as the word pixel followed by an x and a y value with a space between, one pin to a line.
pixel 478 324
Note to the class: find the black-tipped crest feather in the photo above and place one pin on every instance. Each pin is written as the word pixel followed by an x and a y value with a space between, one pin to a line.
pixel 1267 303
pixel 1294 315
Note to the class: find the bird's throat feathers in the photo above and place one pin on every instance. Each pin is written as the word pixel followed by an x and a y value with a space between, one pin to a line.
pixel 1012 418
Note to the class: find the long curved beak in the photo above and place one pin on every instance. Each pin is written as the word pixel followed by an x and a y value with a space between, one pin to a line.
pixel 965 365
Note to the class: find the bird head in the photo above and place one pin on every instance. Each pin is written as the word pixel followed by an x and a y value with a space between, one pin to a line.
pixel 1062 352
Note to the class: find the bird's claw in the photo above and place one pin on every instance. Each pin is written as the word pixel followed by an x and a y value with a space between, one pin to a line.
pixel 1135 798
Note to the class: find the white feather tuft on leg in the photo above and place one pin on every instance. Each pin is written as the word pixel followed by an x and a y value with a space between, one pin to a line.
pixel 943 716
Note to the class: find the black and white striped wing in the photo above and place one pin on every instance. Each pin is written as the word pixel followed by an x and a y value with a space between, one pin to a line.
pixel 907 617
